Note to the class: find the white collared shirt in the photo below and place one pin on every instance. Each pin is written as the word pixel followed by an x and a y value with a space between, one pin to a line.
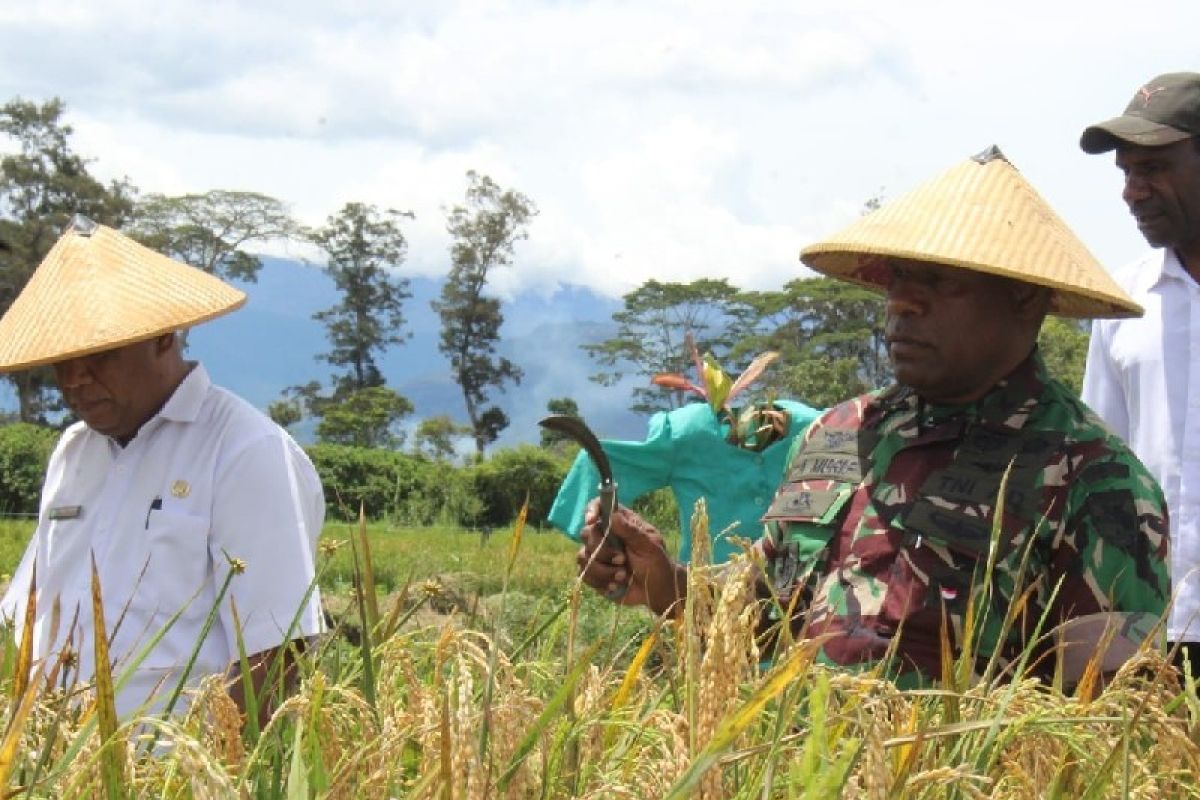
pixel 206 477
pixel 1143 379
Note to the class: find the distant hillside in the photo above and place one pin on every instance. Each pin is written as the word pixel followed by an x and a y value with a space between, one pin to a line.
pixel 273 342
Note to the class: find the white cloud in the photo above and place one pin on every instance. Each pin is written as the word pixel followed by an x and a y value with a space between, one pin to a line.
pixel 665 139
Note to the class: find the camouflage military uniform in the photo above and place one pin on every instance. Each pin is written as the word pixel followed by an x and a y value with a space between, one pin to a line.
pixel 887 511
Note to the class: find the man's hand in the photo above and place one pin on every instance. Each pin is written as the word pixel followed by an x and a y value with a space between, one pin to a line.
pixel 279 664
pixel 643 567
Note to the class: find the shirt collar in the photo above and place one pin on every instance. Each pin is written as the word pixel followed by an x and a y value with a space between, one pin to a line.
pixel 1169 269
pixel 1006 405
pixel 184 404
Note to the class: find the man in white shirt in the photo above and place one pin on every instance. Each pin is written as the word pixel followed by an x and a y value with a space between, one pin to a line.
pixel 1143 375
pixel 184 496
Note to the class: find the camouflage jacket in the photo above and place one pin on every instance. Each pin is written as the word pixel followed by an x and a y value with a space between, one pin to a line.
pixel 888 507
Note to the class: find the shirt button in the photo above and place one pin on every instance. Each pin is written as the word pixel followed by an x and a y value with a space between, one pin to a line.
pixel 758 501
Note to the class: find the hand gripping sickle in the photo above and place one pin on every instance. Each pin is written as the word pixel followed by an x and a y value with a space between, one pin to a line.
pixel 578 431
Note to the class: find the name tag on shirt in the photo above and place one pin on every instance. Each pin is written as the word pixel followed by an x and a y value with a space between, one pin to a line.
pixel 66 512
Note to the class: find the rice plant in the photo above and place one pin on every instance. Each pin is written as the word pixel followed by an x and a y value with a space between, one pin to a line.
pixel 567 696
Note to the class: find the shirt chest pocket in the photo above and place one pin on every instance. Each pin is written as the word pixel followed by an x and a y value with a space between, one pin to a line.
pixel 174 563
pixel 947 549
pixel 804 521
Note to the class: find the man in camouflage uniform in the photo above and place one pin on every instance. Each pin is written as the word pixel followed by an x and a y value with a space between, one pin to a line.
pixel 890 515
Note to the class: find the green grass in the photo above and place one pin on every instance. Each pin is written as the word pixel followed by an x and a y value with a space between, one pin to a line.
pixel 14 535
pixel 546 564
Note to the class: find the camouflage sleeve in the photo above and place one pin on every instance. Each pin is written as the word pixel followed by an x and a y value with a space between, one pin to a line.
pixel 1111 554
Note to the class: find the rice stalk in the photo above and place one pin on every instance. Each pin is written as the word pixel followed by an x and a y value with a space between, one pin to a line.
pixel 490 683
pixel 112 763
pixel 367 573
pixel 24 660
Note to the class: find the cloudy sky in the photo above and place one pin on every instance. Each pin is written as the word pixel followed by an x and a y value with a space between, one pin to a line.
pixel 659 138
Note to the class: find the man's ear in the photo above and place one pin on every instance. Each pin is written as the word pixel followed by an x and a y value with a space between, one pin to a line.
pixel 164 342
pixel 1029 301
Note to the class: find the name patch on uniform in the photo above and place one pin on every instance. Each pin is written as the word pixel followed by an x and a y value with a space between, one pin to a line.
pixel 827 466
pixel 66 512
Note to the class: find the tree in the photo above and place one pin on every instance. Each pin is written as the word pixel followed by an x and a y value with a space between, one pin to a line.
pixel 285 412
pixel 365 418
pixel 837 326
pixel 820 382
pixel 650 335
pixel 435 437
pixel 561 406
pixel 829 334
pixel 211 230
pixel 484 231
pixel 363 244
pixel 1064 344
pixel 42 186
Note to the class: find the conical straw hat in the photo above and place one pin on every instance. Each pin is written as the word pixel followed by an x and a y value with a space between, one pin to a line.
pixel 97 289
pixel 981 215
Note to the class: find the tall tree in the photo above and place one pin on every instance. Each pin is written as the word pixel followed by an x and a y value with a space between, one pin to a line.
pixel 484 232
pixel 42 185
pixel 650 335
pixel 211 230
pixel 364 246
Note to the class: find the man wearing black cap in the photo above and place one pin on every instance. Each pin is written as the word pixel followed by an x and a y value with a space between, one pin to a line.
pixel 1143 375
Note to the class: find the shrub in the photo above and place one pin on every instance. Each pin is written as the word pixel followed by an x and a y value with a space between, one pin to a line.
pixel 502 481
pixel 391 484
pixel 414 491
pixel 659 509
pixel 24 451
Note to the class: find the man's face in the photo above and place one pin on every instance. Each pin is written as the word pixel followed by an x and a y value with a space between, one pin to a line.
pixel 1162 190
pixel 951 333
pixel 115 391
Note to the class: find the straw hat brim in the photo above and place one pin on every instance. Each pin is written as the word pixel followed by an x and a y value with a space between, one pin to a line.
pixel 101 290
pixel 981 216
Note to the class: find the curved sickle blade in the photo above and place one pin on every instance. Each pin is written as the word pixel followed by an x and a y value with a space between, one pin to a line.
pixel 579 432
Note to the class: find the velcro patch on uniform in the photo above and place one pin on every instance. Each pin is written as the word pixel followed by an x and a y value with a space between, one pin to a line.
pixel 961 484
pixel 831 466
pixel 955 529
pixel 831 440
pixel 980 440
pixel 804 504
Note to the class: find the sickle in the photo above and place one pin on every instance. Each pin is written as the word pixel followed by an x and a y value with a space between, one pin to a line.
pixel 578 431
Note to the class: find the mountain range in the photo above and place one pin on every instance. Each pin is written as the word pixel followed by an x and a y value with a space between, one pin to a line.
pixel 273 342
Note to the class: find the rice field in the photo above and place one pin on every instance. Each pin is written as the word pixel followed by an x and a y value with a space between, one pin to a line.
pixel 480 670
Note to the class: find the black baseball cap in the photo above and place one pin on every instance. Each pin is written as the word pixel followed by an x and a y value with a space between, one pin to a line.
pixel 1164 111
